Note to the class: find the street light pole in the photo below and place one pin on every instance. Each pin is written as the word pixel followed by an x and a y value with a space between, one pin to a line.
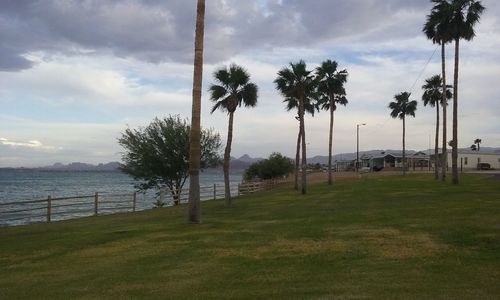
pixel 357 145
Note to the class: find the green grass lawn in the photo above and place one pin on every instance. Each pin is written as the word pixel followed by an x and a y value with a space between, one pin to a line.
pixel 382 238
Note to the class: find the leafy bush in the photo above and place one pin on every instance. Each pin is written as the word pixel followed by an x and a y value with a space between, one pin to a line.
pixel 276 166
pixel 158 155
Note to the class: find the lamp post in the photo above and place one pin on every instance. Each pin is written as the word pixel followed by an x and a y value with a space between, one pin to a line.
pixel 357 145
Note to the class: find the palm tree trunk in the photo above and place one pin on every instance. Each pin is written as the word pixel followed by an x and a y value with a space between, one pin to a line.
pixel 404 155
pixel 436 147
pixel 454 147
pixel 194 207
pixel 444 158
pixel 297 162
pixel 330 142
pixel 227 158
pixel 303 137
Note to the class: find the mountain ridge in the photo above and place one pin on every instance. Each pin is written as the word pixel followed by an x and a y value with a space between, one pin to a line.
pixel 244 161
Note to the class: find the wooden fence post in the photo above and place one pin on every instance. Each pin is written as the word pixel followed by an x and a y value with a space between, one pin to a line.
pixel 134 201
pixel 215 191
pixel 96 199
pixel 49 207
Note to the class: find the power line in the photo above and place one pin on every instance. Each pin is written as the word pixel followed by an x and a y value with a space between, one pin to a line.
pixel 411 89
pixel 423 69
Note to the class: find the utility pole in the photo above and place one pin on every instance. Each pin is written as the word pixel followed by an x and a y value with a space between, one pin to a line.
pixel 357 145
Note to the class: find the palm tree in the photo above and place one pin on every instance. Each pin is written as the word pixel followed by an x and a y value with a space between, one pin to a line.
pixel 463 16
pixel 233 89
pixel 310 107
pixel 433 96
pixel 477 142
pixel 331 92
pixel 194 207
pixel 436 29
pixel 401 108
pixel 297 82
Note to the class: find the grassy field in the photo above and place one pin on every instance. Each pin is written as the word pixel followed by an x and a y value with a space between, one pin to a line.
pixel 381 238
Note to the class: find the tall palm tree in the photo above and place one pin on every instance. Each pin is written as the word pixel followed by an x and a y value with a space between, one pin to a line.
pixel 309 107
pixel 331 92
pixel 437 31
pixel 194 207
pixel 464 15
pixel 297 82
pixel 432 96
pixel 233 89
pixel 401 108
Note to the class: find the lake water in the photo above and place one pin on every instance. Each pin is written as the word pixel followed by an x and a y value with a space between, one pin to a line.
pixel 37 184
pixel 22 185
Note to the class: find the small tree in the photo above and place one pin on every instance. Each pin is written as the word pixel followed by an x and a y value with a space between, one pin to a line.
pixel 157 156
pixel 275 166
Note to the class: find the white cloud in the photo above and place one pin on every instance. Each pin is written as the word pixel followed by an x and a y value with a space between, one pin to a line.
pixel 34 144
pixel 69 82
pixel 82 92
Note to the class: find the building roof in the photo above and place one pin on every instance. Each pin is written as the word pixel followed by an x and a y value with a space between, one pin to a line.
pixel 476 152
pixel 396 154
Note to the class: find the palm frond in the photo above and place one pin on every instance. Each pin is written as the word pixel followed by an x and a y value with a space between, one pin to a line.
pixel 217 92
pixel 295 82
pixel 249 94
pixel 222 76
pixel 464 15
pixel 234 90
pixel 291 103
pixel 437 26
pixel 239 76
pixel 402 106
pixel 433 91
pixel 216 106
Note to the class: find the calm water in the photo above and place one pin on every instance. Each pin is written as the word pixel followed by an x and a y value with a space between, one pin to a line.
pixel 35 184
pixel 22 185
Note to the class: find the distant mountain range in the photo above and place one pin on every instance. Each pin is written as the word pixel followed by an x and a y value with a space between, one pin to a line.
pixel 78 166
pixel 245 160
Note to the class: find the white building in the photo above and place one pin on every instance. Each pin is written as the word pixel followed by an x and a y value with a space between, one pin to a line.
pixel 474 160
pixel 394 161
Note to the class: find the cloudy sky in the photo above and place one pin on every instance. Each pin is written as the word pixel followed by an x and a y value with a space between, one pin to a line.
pixel 74 74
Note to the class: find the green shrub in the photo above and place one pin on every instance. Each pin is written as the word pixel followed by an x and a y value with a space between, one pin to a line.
pixel 276 166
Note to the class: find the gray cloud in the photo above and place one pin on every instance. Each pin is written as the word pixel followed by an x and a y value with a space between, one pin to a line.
pixel 10 60
pixel 157 31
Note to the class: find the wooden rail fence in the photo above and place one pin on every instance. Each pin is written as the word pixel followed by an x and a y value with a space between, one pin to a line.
pixel 61 208
pixel 257 186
